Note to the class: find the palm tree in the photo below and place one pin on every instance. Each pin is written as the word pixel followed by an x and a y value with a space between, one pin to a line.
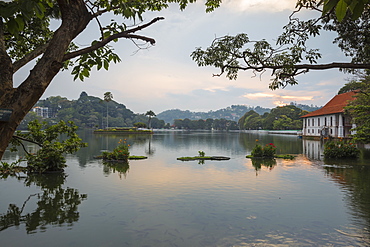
pixel 150 114
pixel 108 96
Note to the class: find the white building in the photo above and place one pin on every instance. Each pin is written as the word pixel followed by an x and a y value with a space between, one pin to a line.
pixel 329 120
pixel 41 111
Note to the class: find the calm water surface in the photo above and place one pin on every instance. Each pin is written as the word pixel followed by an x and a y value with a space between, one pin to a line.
pixel 161 201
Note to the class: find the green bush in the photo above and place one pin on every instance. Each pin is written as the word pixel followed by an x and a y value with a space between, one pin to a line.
pixel 50 156
pixel 340 149
pixel 267 151
pixel 257 151
pixel 120 153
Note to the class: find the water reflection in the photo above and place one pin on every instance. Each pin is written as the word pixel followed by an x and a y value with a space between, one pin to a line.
pixel 258 163
pixel 121 168
pixel 352 175
pixel 56 206
pixel 150 150
pixel 313 149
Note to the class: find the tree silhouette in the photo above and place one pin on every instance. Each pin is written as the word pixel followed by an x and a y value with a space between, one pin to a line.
pixel 108 96
pixel 150 115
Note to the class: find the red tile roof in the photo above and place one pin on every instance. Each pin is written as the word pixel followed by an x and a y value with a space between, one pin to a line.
pixel 335 105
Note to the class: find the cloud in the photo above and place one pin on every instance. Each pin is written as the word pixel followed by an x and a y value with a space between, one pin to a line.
pixel 260 5
pixel 303 98
pixel 278 99
pixel 259 95
pixel 270 95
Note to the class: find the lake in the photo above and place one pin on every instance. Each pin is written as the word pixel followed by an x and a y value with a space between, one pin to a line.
pixel 161 201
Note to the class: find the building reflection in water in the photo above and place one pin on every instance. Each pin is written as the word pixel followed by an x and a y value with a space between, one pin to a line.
pixel 313 149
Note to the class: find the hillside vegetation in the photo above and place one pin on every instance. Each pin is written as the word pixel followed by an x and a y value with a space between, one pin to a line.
pixel 280 118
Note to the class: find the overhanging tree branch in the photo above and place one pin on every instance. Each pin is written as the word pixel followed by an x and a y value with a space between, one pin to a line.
pixel 29 57
pixel 27 140
pixel 306 67
pixel 126 34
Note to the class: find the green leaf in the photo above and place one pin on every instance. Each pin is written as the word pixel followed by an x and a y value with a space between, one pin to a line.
pixel 341 10
pixel 357 10
pixel 85 72
pixel 81 77
pixel 106 64
pixel 20 23
pixel 99 64
pixel 40 10
pixel 8 10
pixel 329 5
pixel 13 26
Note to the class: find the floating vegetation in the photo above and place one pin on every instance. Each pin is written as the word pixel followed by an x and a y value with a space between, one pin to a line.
pixel 130 130
pixel 280 156
pixel 203 158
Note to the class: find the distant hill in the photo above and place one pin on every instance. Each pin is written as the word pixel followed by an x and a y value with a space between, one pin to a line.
pixel 234 112
pixel 308 108
pixel 89 111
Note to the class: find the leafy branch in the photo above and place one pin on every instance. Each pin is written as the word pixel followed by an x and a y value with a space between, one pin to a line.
pixel 290 56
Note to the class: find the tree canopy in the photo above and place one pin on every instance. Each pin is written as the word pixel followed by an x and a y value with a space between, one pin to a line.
pixel 291 56
pixel 359 108
pixel 43 33
pixel 280 118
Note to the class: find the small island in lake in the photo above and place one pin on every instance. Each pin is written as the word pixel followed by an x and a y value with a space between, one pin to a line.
pixel 203 157
pixel 123 130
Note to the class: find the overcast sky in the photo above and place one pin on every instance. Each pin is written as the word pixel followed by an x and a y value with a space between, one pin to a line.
pixel 164 76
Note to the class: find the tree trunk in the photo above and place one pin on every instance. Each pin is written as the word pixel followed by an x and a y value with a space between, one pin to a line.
pixel 75 18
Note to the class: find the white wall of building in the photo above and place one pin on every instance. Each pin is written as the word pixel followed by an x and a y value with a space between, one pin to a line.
pixel 336 124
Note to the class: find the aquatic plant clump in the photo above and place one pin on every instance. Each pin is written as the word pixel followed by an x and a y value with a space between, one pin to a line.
pixel 120 153
pixel 340 149
pixel 267 151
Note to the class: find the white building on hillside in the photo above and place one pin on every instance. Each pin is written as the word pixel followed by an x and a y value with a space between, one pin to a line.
pixel 41 111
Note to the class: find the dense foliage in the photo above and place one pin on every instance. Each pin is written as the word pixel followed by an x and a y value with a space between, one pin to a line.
pixel 359 108
pixel 340 149
pixel 53 146
pixel 280 118
pixel 209 124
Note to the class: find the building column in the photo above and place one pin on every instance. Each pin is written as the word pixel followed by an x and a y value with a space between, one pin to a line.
pixel 340 126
